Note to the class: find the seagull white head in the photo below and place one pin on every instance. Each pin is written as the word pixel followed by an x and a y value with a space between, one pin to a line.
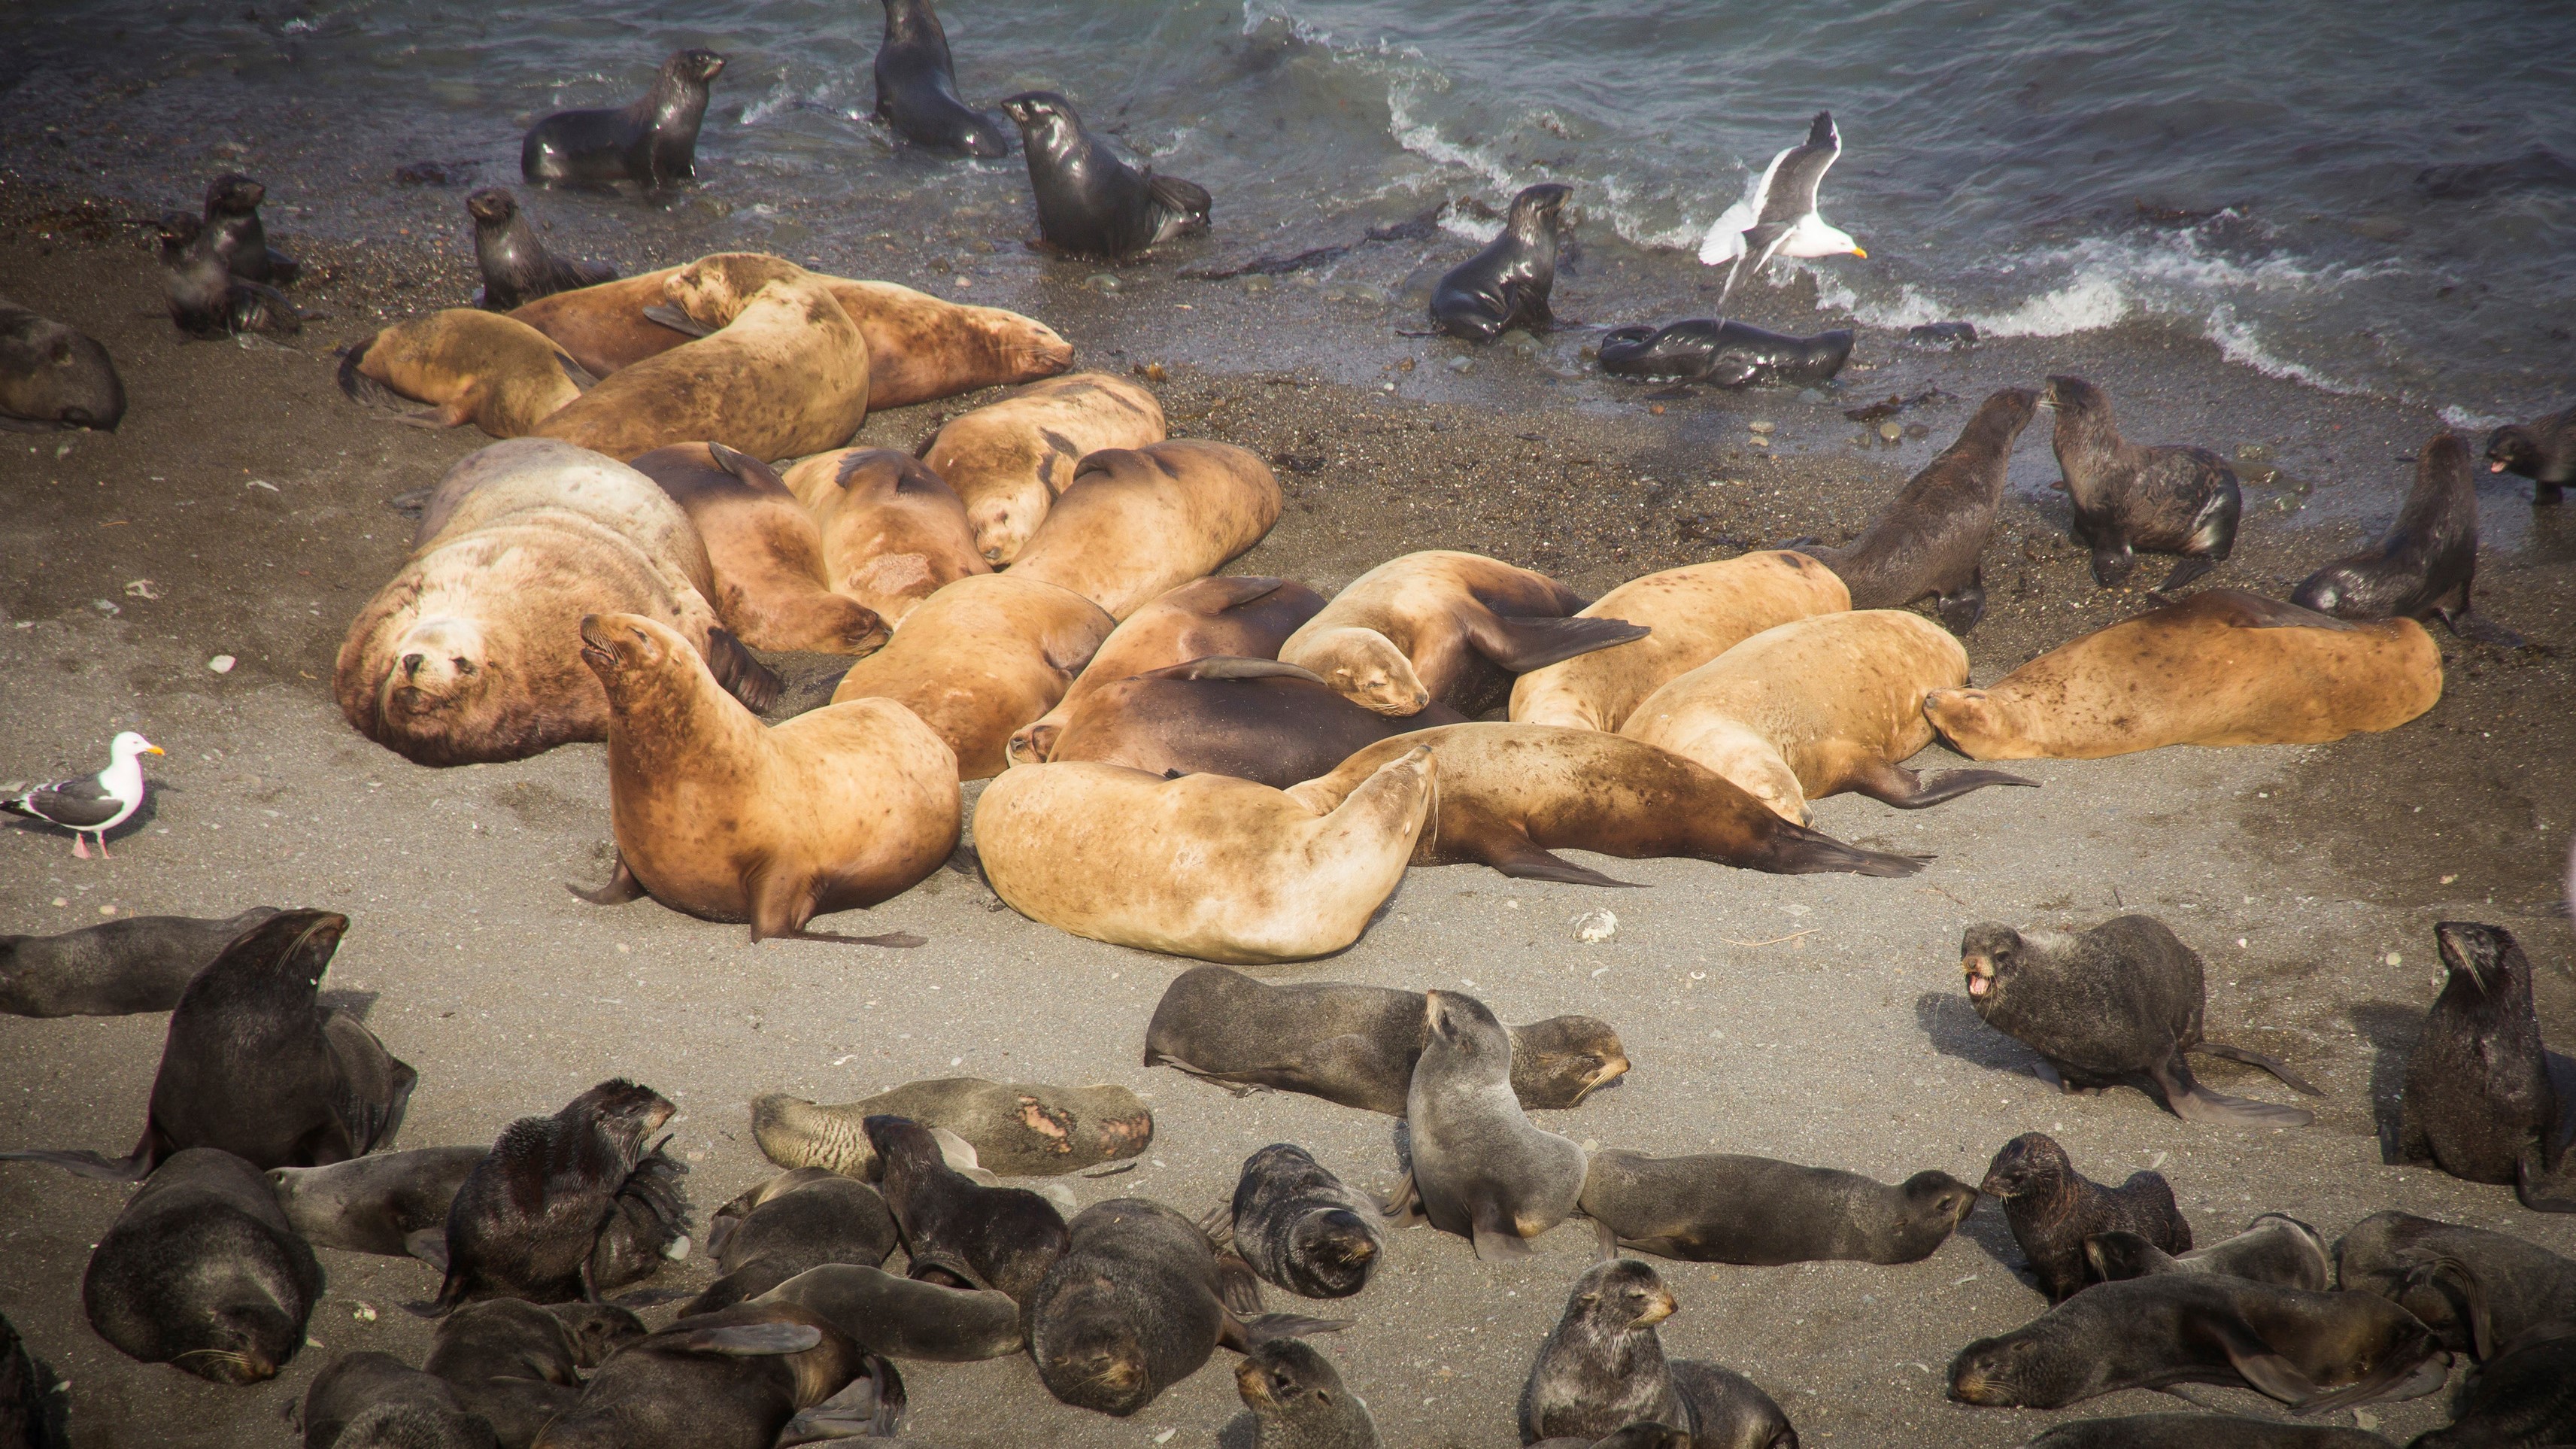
pixel 129 744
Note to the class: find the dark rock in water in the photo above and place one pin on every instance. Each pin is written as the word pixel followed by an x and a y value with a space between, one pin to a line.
pixel 1952 335
pixel 2533 169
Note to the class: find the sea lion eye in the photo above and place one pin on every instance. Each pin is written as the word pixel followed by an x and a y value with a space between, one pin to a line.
pixel 463 664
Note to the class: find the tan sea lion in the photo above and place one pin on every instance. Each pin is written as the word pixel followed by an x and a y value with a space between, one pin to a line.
pixel 723 817
pixel 767 556
pixel 1816 707
pixel 1204 866
pixel 1447 626
pixel 788 376
pixel 1137 523
pixel 472 366
pixel 1697 612
pixel 2222 667
pixel 1240 617
pixel 980 658
pixel 1019 1129
pixel 604 327
pixel 893 532
pixel 1010 459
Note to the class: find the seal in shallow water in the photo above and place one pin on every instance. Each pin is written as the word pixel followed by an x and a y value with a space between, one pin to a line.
pixel 652 139
pixel 1729 354
pixel 1090 202
pixel 1507 284
pixel 917 86
pixel 2130 498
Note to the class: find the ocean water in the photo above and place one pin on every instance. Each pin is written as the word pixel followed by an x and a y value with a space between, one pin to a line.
pixel 2368 197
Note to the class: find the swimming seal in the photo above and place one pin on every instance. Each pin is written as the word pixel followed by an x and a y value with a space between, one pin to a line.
pixel 498 373
pixel 2543 450
pixel 1927 541
pixel 376 1401
pixel 1296 1400
pixel 1447 626
pixel 116 968
pixel 1136 523
pixel 1230 617
pixel 892 532
pixel 980 658
pixel 1729 354
pixel 797 1220
pixel 732 1377
pixel 2478 1101
pixel 2421 568
pixel 237 238
pixel 1692 615
pixel 2524 1285
pixel 206 300
pixel 1818 706
pixel 652 139
pixel 376 1203
pixel 1300 1227
pixel 518 1365
pixel 1479 1168
pixel 957 1231
pixel 917 86
pixel 255 1065
pixel 54 376
pixel 1254 719
pixel 1099 851
pixel 1723 1208
pixel 1602 1372
pixel 1018 1129
pixel 2121 1000
pixel 2275 1248
pixel 1010 459
pixel 517 269
pixel 1507 284
pixel 2202 1431
pixel 201 1272
pixel 765 552
pixel 2053 1209
pixel 1091 203
pixel 2129 498
pixel 1353 1045
pixel 2220 668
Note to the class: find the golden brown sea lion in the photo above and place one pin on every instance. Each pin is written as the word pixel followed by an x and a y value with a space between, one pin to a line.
pixel 768 558
pixel 1137 523
pixel 2220 668
pixel 893 533
pixel 980 658
pixel 604 327
pixel 499 374
pixel 1447 626
pixel 1241 617
pixel 723 817
pixel 1010 459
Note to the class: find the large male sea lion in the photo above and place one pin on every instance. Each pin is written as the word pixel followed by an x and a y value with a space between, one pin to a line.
pixel 1090 203
pixel 1447 626
pixel 54 376
pixel 1010 459
pixel 652 139
pixel 1137 522
pixel 1507 284
pixel 116 968
pixel 980 658
pixel 498 373
pixel 2130 498
pixel 201 1271
pixel 1479 1169
pixel 917 86
pixel 893 533
pixel 1728 353
pixel 1222 617
pixel 765 553
pixel 1927 541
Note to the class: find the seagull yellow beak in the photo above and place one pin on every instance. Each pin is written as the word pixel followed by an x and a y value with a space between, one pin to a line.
pixel 1861 253
pixel 154 750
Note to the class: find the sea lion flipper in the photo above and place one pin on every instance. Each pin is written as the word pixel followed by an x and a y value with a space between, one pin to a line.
pixel 1608 1240
pixel 1404 1205
pixel 1514 854
pixel 429 1245
pixel 2185 570
pixel 2263 1370
pixel 1960 611
pixel 1521 645
pixel 1227 666
pixel 1495 1245
pixel 1798 850
pixel 748 1340
pixel 1898 786
pixel 2468 624
pixel 1237 1285
pixel 741 675
pixel 2193 1102
pixel 677 320
pixel 84 1163
pixel 2542 1187
pixel 622 887
pixel 2274 1065
pixel 1269 1327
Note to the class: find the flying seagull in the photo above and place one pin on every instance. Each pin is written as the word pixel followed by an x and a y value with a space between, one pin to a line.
pixel 96 805
pixel 1777 216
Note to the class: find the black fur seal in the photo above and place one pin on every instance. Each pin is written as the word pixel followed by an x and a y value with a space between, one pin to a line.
pixel 382 1203
pixel 208 301
pixel 2202 1431
pixel 794 1221
pixel 1729 354
pixel 1602 1369
pixel 2053 1209
pixel 907 1317
pixel 2130 499
pixel 33 1398
pixel 1507 284
pixel 202 1272
pixel 2119 1001
pixel 2421 568
pixel 653 140
pixel 1354 1045
pixel 2275 1248
pixel 254 1065
pixel 1090 203
pixel 959 1232
pixel 517 268
pixel 2523 1392
pixel 116 968
pixel 730 1378
pixel 1722 1208
pixel 53 376
pixel 236 236
pixel 1928 540
pixel 1300 1227
pixel 2478 1101
pixel 376 1401
pixel 1479 1168
pixel 2543 450
pixel 2525 1285
pixel 917 86
pixel 518 1365
pixel 1296 1400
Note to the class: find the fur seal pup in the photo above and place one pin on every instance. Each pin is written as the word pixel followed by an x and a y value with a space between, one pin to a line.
pixel 1091 203
pixel 1507 284
pixel 2543 450
pixel 1300 1227
pixel 980 658
pixel 603 326
pixel 957 1231
pixel 202 1272
pixel 1510 794
pixel 2523 1284
pixel 376 1401
pixel 2202 1431
pixel 498 373
pixel 2275 1248
pixel 2053 1209
pixel 1723 1208
pixel 781 1227
pixel 1927 542
pixel 236 236
pixel 1203 866
pixel 2478 1101
pixel 1016 1129
pixel 917 86
pixel 1296 1400
pixel 1479 1168
pixel 518 1365
pixel 892 532
pixel 2313 1351
pixel 2421 568
pixel 1253 719
pixel 1136 523
pixel 1816 707
pixel 765 552
pixel 732 1378
pixel 2220 668
pixel 1692 615
pixel 1449 626
pixel 1729 354
pixel 1602 1373
pixel 376 1203
pixel 208 301
pixel 2518 1397
pixel 906 1317
pixel 652 139
pixel 2121 1000
pixel 122 967
pixel 54 376
pixel 2130 498
pixel 1010 459
pixel 1222 617
pixel 1137 1304
pixel 517 269
pixel 254 1065
pixel 837 809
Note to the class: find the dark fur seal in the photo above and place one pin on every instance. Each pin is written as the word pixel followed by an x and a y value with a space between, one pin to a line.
pixel 116 968
pixel 1354 1045
pixel 1090 203
pixel 518 1365
pixel 1723 1208
pixel 794 1221
pixel 2478 1101
pixel 2275 1248
pixel 254 1065
pixel 517 268
pixel 2524 1284
pixel 202 1272
pixel 907 1317
pixel 2523 1393
pixel 653 140
pixel 2202 1431
pixel 2123 999
pixel 1479 1168
pixel 1018 1129
pixel 2314 1351
pixel 1300 1227
pixel 33 1399
pixel 2543 450
pixel 917 86
pixel 1602 1371
pixel 376 1401
pixel 208 301
pixel 53 376
pixel 1643 1435
pixel 1137 1305
pixel 237 237
pixel 380 1203
pixel 726 1380
pixel 1729 354
pixel 1507 284
pixel 1254 719
pixel 1928 540
pixel 2421 568
pixel 959 1232
pixel 2053 1209
pixel 1297 1400
pixel 2130 498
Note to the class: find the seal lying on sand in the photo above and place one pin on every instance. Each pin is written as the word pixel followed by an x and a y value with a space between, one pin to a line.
pixel 116 968
pixel 1725 1208
pixel 765 552
pixel 54 376
pixel 498 373
pixel 1010 459
pixel 201 1271
pixel 1225 617
pixel 980 658
pixel 1254 719
pixel 1023 1129
pixel 892 532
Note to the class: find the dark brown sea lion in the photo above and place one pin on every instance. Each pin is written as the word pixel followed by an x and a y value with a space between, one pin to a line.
pixel 2543 450
pixel 202 1272
pixel 2525 1285
pixel 892 532
pixel 1602 1372
pixel 957 1231
pixel 116 968
pixel 1018 1129
pixel 1136 523
pixel 2421 568
pixel 1232 617
pixel 2275 1248
pixel 498 373
pixel 771 586
pixel 906 1317
pixel 2132 499
pixel 1723 1208
pixel 731 1379
pixel 2478 1100
pixel 1090 203
pixel 517 269
pixel 1507 284
pixel 53 376
pixel 1010 459
pixel 1446 626
pixel 1927 541
pixel 1300 1227
pixel 1297 1400
pixel 980 658
pixel 1254 719
pixel 652 139
pixel 2053 1209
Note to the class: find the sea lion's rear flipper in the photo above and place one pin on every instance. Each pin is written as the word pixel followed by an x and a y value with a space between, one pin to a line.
pixel 2470 625
pixel 1898 786
pixel 871 1407
pixel 1608 1240
pixel 895 940
pixel 748 1340
pixel 1503 845
pixel 622 887
pixel 1243 1335
pixel 741 675
pixel 1218 1223
pixel 1186 197
pixel 578 375
pixel 677 320
pixel 1495 1245
pixel 1404 1205
pixel 2274 1065
pixel 2185 570
pixel 1521 645
pixel 1229 666
pixel 1241 589
pixel 429 1245
pixel 1237 1090
pixel 1236 1284
pixel 2193 1102
pixel 1797 850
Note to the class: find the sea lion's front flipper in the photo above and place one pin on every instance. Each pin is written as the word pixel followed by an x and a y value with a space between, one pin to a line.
pixel 2263 1370
pixel 1608 1240
pixel 1405 1204
pixel 677 320
pixel 1960 611
pixel 1898 786
pixel 2471 625
pixel 748 1340
pixel 1504 846
pixel 2274 1065
pixel 2185 570
pixel 622 887
pixel 2193 1102
pixel 1521 645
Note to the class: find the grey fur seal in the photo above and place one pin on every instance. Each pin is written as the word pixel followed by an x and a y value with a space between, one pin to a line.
pixel 1602 1372
pixel 54 376
pixel 518 1365
pixel 1729 354
pixel 235 235
pixel 959 1232
pixel 1724 1208
pixel 2202 1431
pixel 1479 1168
pixel 1091 203
pixel 2421 568
pixel 1507 284
pixel 378 1203
pixel 376 1401
pixel 2275 1248
pixel 123 967
pixel 517 269
pixel 730 1378
pixel 1018 1129
pixel 2524 1284
pixel 652 140
pixel 207 301
pixel 1928 540
pixel 2130 498
pixel 2542 450
pixel 786 1224
pixel 2053 1209
pixel 1300 1227
pixel 202 1271
pixel 2478 1101
pixel 1296 1400
pixel 917 86
pixel 907 1317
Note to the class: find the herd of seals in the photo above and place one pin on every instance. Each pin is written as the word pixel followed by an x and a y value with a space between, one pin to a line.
pixel 1237 770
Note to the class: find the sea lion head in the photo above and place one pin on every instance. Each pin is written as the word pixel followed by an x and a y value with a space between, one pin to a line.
pixel 1365 667
pixel 291 946
pixel 715 288
pixel 1464 1029
pixel 625 649
pixel 1538 209
pixel 2512 449
pixel 1093 1360
pixel 1046 120
pixel 1622 1295
pixel 1988 952
pixel 244 1341
pixel 695 67
pixel 1938 1198
pixel 1996 1371
pixel 1286 1376
pixel 1562 1060
pixel 1972 721
pixel 492 206
pixel 441 672
pixel 234 194
pixel 2484 959
pixel 622 1112
pixel 1337 1244
pixel 2031 1165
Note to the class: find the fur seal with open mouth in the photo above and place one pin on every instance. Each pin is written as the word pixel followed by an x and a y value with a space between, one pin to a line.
pixel 1507 284
pixel 2130 498
pixel 652 139
pixel 1091 203
pixel 2542 450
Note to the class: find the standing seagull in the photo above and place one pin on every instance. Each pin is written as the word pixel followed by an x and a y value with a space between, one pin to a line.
pixel 96 805
pixel 1777 216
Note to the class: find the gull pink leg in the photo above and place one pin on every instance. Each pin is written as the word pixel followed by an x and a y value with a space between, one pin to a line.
pixel 80 845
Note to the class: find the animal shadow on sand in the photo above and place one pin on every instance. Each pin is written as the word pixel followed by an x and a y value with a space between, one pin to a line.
pixel 2392 1029
pixel 1953 1027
